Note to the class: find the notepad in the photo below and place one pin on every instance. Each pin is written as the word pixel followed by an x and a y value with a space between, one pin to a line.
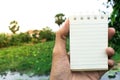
pixel 88 42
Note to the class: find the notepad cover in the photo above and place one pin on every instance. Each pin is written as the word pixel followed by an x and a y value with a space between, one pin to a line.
pixel 88 42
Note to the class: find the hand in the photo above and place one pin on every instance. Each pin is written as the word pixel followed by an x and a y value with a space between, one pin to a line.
pixel 60 63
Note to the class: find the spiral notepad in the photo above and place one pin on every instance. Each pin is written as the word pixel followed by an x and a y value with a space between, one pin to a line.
pixel 88 42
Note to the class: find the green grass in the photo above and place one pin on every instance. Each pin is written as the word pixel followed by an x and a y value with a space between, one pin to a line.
pixel 26 59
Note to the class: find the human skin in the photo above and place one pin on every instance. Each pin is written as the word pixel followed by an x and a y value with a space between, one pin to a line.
pixel 60 69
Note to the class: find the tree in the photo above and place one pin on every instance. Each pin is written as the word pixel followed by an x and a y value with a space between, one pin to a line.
pixel 14 27
pixel 115 22
pixel 59 18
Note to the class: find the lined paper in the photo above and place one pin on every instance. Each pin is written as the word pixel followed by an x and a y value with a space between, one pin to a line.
pixel 88 41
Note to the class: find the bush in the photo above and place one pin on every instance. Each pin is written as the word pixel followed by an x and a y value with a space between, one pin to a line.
pixel 24 37
pixel 115 41
pixel 3 40
pixel 115 22
pixel 18 39
pixel 35 36
pixel 14 40
pixel 35 40
pixel 46 33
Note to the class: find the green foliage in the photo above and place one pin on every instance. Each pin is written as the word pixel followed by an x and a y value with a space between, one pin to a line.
pixel 115 22
pixel 18 39
pixel 4 40
pixel 35 36
pixel 21 38
pixel 46 33
pixel 115 15
pixel 116 57
pixel 59 18
pixel 14 40
pixel 24 37
pixel 14 26
pixel 27 59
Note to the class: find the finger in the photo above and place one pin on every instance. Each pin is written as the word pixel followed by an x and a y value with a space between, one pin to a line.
pixel 59 55
pixel 63 31
pixel 111 32
pixel 111 62
pixel 60 42
pixel 110 51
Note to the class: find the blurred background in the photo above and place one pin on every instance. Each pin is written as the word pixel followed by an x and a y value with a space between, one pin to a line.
pixel 28 31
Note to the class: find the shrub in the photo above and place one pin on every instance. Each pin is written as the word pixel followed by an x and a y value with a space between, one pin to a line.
pixel 14 40
pixel 35 40
pixel 35 36
pixel 115 22
pixel 18 39
pixel 24 37
pixel 46 33
pixel 3 40
pixel 115 41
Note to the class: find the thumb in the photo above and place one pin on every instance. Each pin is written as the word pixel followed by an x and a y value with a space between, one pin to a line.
pixel 60 61
pixel 63 31
pixel 60 41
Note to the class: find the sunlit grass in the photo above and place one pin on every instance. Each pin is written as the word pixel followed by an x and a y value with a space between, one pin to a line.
pixel 31 58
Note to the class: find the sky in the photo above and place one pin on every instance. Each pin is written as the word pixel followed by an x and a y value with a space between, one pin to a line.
pixel 36 14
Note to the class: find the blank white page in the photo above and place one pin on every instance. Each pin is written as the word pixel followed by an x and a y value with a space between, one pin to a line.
pixel 88 42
